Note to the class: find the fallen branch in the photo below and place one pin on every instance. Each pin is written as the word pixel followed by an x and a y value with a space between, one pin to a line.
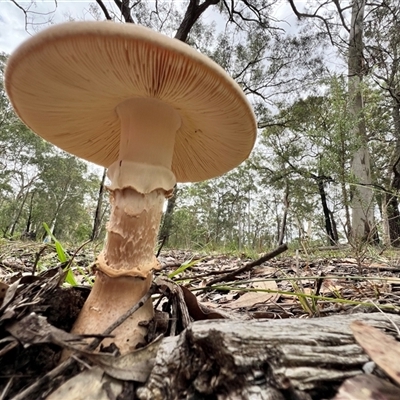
pixel 291 358
pixel 232 275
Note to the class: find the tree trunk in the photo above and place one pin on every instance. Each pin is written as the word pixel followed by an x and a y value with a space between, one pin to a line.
pixel 343 184
pixel 167 222
pixel 327 213
pixel 98 214
pixel 29 219
pixel 391 199
pixel 266 359
pixel 19 212
pixel 362 196
pixel 283 225
pixel 334 228
pixel 56 215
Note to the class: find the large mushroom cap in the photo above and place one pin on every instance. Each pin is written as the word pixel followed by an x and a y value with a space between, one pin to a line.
pixel 66 82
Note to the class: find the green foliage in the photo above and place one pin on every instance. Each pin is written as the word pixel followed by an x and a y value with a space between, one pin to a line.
pixel 217 213
pixel 62 256
pixel 40 183
pixel 184 266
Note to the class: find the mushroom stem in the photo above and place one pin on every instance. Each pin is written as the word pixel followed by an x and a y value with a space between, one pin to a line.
pixel 132 233
pixel 108 300
pixel 125 266
pixel 140 181
pixel 148 128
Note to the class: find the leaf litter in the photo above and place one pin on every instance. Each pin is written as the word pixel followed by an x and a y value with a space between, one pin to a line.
pixel 38 311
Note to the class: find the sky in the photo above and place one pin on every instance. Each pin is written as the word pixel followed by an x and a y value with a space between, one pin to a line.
pixel 14 28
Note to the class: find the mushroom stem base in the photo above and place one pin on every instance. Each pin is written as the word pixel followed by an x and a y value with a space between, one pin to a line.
pixel 108 300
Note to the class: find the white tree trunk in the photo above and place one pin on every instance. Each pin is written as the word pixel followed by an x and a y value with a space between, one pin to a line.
pixel 363 196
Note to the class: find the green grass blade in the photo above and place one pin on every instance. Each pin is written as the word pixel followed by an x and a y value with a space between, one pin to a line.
pixel 70 278
pixel 184 266
pixel 62 256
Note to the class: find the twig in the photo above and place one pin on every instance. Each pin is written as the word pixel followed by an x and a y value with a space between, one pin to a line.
pixel 6 388
pixel 161 245
pixel 232 275
pixel 389 319
pixel 46 378
pixel 77 251
pixel 37 258
pixel 27 393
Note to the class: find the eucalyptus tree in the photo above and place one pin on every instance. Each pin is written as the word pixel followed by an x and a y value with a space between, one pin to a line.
pixel 382 48
pixel 20 153
pixel 306 156
pixel 39 183
pixel 344 27
pixel 218 213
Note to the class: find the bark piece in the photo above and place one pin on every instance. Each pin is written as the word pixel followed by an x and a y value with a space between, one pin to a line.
pixel 259 359
pixel 383 349
pixel 367 387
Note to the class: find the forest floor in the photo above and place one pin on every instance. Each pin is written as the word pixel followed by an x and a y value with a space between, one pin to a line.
pixel 303 285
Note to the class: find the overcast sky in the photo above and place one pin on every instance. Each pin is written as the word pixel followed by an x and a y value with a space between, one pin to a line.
pixel 12 20
pixel 13 25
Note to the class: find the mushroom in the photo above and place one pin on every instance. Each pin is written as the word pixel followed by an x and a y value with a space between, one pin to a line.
pixel 153 111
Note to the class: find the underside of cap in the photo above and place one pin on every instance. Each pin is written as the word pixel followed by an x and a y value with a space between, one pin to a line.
pixel 66 82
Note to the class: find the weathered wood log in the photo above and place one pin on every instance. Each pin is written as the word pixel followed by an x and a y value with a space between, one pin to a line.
pixel 263 359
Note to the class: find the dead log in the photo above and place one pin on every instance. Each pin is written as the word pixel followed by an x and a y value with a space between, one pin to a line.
pixel 263 359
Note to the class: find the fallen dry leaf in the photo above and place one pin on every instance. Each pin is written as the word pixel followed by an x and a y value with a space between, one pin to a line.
pixel 197 311
pixel 367 387
pixel 263 270
pixel 3 290
pixel 376 265
pixel 348 260
pixel 383 349
pixel 251 299
pixel 330 286
pixel 34 329
pixel 135 366
pixel 92 384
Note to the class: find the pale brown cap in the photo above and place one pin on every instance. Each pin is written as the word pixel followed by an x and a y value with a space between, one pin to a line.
pixel 66 81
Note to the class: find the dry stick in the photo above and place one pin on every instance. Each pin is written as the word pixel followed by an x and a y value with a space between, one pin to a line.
pixel 6 388
pixel 37 258
pixel 232 275
pixel 71 361
pixel 164 239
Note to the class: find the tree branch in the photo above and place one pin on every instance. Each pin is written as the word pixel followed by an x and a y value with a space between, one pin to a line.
pixel 123 6
pixel 232 275
pixel 193 12
pixel 104 9
pixel 300 15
